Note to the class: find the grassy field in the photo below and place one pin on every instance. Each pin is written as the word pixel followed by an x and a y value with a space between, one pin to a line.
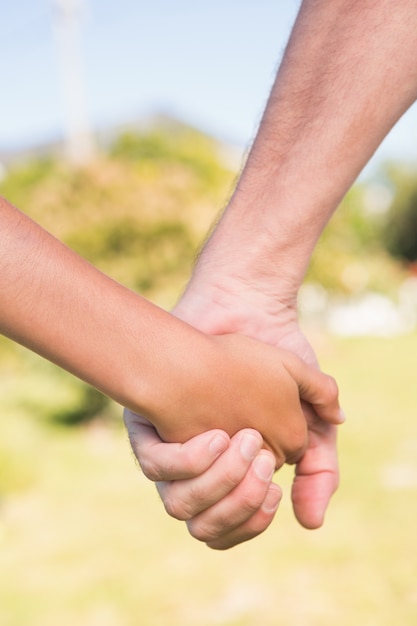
pixel 84 539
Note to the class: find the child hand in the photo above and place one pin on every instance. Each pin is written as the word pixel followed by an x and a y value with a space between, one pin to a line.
pixel 236 382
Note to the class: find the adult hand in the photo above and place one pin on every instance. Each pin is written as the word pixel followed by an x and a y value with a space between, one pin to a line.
pixel 229 498
pixel 221 487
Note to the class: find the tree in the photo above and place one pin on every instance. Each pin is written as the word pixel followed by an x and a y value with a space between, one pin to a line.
pixel 400 232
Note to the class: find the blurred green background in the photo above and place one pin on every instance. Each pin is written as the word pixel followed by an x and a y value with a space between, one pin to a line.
pixel 83 537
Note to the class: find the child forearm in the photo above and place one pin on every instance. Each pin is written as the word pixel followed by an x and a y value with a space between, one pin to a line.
pixel 58 305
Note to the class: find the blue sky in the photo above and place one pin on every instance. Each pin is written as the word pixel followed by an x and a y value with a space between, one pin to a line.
pixel 210 63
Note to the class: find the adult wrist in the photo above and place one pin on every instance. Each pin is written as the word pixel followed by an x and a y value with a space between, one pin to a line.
pixel 264 246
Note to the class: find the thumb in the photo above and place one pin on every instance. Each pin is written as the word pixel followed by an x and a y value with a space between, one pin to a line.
pixel 317 477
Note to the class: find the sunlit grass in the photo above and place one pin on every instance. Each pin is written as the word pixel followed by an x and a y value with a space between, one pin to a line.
pixel 85 540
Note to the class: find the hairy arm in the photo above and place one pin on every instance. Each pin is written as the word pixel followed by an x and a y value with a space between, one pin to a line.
pixel 348 74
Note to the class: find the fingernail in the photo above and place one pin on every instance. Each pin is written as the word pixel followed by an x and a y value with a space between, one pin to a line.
pixel 218 445
pixel 264 467
pixel 249 446
pixel 272 500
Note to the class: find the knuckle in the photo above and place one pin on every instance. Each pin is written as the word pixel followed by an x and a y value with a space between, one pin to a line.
pixel 176 508
pixel 191 463
pixel 156 468
pixel 197 532
pixel 199 498
pixel 149 468
pixel 231 477
pixel 222 545
pixel 250 501
pixel 256 526
pixel 207 532
pixel 184 506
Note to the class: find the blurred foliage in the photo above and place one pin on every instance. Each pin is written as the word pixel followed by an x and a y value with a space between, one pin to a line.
pixel 89 404
pixel 139 213
pixel 175 145
pixel 400 231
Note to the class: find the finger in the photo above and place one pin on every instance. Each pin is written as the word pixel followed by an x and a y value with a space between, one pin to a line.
pixel 161 461
pixel 183 499
pixel 318 389
pixel 225 517
pixel 317 476
pixel 255 525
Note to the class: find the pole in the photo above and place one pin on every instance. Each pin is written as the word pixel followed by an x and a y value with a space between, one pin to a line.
pixel 80 148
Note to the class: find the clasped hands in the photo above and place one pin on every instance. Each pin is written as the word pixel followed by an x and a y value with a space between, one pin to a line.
pixel 249 409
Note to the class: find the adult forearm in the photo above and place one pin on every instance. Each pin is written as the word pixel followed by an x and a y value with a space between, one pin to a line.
pixel 348 74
